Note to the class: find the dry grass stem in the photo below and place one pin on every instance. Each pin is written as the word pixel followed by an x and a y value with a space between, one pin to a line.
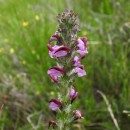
pixel 109 109
pixel 35 127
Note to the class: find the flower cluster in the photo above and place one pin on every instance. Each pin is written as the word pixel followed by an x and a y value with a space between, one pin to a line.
pixel 62 51
pixel 68 51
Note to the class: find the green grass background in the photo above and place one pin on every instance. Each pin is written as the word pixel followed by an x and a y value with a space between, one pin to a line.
pixel 25 87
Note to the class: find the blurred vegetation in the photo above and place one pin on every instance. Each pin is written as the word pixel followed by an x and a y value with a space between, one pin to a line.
pixel 25 87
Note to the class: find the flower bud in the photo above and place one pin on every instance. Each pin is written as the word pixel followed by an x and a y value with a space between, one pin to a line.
pixel 54 37
pixel 52 123
pixel 73 94
pixel 77 114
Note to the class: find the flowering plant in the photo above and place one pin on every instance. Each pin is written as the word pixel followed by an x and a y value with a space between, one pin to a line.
pixel 68 51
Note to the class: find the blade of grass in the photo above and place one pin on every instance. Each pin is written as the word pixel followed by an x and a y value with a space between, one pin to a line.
pixel 1 109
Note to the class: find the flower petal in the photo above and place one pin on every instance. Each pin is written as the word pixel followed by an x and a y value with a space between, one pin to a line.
pixel 54 78
pixel 79 70
pixel 58 51
pixel 82 46
pixel 72 92
pixel 53 106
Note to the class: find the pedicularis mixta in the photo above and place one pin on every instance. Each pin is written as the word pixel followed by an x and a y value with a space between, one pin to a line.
pixel 68 51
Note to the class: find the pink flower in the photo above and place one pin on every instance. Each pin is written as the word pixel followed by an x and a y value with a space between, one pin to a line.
pixel 77 114
pixel 58 51
pixel 54 104
pixel 77 60
pixel 82 46
pixel 55 72
pixel 73 94
pixel 79 70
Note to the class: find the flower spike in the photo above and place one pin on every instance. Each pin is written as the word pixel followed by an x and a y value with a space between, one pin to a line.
pixel 68 51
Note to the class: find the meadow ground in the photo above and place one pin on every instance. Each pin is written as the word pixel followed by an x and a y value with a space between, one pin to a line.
pixel 25 87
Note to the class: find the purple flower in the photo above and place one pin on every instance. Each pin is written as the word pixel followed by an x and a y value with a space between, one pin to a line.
pixel 58 51
pixel 55 72
pixel 77 114
pixel 79 70
pixel 54 104
pixel 73 94
pixel 82 46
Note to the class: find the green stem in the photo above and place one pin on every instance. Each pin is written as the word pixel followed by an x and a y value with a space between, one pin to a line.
pixel 63 116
